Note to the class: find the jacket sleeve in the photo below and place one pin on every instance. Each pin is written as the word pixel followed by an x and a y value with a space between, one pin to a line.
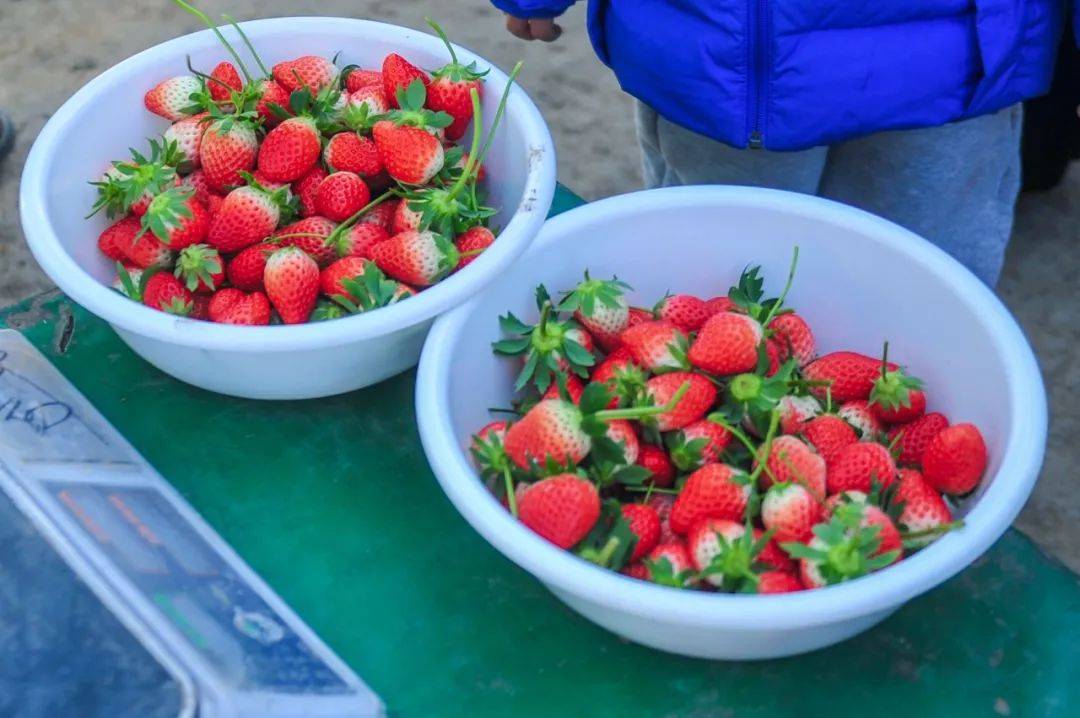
pixel 536 8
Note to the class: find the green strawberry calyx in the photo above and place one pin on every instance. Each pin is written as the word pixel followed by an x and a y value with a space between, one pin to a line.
pixel 592 294
pixel 167 212
pixel 736 562
pixel 128 182
pixel 454 70
pixel 892 389
pixel 843 548
pixel 198 263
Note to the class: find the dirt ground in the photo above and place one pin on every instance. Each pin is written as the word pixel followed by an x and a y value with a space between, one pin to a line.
pixel 49 48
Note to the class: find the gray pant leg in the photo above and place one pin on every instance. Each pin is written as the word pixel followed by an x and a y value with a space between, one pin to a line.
pixel 672 155
pixel 956 184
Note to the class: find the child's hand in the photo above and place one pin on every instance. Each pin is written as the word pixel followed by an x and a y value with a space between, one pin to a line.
pixel 533 28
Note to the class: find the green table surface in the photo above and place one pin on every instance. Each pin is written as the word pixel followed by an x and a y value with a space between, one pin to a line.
pixel 333 503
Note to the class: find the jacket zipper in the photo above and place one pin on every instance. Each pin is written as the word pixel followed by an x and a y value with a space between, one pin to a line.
pixel 758 38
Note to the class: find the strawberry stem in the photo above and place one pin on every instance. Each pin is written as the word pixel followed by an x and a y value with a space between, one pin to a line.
pixel 787 287
pixel 511 499
pixel 498 111
pixel 636 412
pixel 213 26
pixel 471 163
pixel 442 36
pixel 251 48
pixel 885 361
pixel 766 447
pixel 932 531
pixel 651 489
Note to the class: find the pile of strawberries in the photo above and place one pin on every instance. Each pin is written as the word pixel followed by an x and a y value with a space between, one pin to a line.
pixel 304 192
pixel 705 444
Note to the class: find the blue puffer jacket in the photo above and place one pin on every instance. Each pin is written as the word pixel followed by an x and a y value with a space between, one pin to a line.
pixel 791 74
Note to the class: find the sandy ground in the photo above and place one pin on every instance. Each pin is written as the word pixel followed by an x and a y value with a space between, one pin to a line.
pixel 49 48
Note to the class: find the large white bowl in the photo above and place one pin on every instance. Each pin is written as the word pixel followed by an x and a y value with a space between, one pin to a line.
pixel 860 280
pixel 105 117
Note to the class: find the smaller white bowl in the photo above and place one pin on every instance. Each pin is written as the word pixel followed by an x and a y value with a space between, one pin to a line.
pixel 860 280
pixel 104 118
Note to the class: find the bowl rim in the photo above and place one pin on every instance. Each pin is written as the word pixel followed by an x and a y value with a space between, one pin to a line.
pixel 101 300
pixel 987 520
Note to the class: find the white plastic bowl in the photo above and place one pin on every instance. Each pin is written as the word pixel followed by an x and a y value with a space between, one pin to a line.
pixel 860 280
pixel 105 117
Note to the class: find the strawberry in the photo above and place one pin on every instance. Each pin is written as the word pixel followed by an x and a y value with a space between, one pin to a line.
pixel 574 388
pixel 872 515
pixel 118 237
pixel 176 218
pixel 656 346
pixel 310 71
pixel 796 411
pixel 600 306
pixel 196 182
pixel 471 240
pixel 129 186
pixel 850 375
pixel 911 438
pixel 410 155
pixel 828 434
pixel 232 306
pixel 245 270
pixel 405 218
pixel 147 250
pixel 859 467
pixel 200 268
pixel 790 511
pixel 341 195
pixel 359 239
pixel 922 507
pixel 896 398
pixel 311 234
pixel 778 582
pixel 636 570
pixel 656 460
pixel 169 98
pixel 644 523
pixel 773 556
pixel 669 564
pixel 693 405
pixel 292 284
pixel 724 552
pixel 228 148
pixel 697 444
pixel 793 337
pixel 306 187
pixel 364 104
pixel 622 376
pixel 349 152
pixel 715 491
pixel 417 258
pixel 355 78
pixel 622 433
pixel 451 88
pixel 685 311
pixel 200 307
pixel 248 215
pixel 792 461
pixel 397 72
pixel 345 268
pixel 271 95
pixel 639 316
pixel 381 214
pixel 862 418
pixel 290 150
pixel 955 459
pixel 224 80
pixel 187 134
pixel 727 344
pixel 561 509
pixel 663 504
pixel 550 346
pixel 720 304
pixel 165 293
pixel 850 544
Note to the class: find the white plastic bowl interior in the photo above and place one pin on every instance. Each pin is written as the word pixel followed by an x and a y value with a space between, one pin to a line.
pixel 860 280
pixel 105 117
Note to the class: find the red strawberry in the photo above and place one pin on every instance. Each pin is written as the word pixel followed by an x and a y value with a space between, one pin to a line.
pixel 778 582
pixel 911 438
pixel 292 284
pixel 923 509
pixel 669 564
pixel 381 214
pixel 858 413
pixel 636 570
pixel 561 509
pixel 471 240
pixel 551 430
pixel 404 218
pixel 290 150
pixel 871 516
pixel 363 105
pixel 200 307
pixel 196 181
pixel 698 444
pixel 645 525
pixel 715 491
pixel 248 215
pixel 200 268
pixel 727 344
pixel 574 389
pixel 306 187
pixel 232 306
pixel 417 258
pixel 663 504
pixel 796 411
pixel 829 434
pixel 147 251
pixel 621 375
pixel 411 155
pixel 851 375
pixel 177 218
pixel 397 72
pixel 310 234
pixel 271 94
pixel 226 151
pixel 165 293
pixel 310 71
pixel 341 195
pixel 345 268
pixel 713 542
pixel 793 337
pixel 224 80
pixel 357 78
pixel 790 511
pixel 359 239
pixel 773 556
pixel 245 270
pixel 349 152
pixel 639 316
pixel 600 306
pixel 451 88
pixel 656 460
pixel 694 404
pixel 859 467
pixel 858 539
pixel 213 205
pixel 720 304
pixel 624 436
pixel 187 134
pixel 656 346
pixel 955 459
pixel 169 97
pixel 685 311
pixel 790 460
pixel 896 398
pixel 119 237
